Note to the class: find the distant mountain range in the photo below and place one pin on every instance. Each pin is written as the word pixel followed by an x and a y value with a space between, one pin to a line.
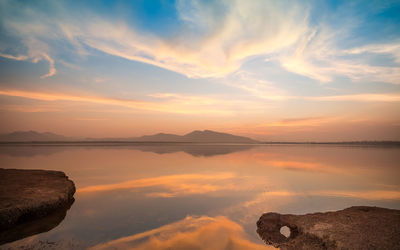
pixel 30 136
pixel 197 136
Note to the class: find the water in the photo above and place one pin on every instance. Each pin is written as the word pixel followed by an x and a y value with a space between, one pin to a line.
pixel 201 196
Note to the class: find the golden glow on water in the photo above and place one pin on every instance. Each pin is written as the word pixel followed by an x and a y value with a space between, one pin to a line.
pixel 172 185
pixel 190 233
pixel 172 196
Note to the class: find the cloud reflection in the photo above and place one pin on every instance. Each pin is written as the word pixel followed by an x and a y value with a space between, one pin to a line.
pixel 174 185
pixel 365 195
pixel 190 233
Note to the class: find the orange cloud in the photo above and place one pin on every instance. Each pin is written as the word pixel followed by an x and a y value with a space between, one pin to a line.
pixel 218 51
pixel 183 105
pixel 360 97
pixel 190 233
pixel 303 121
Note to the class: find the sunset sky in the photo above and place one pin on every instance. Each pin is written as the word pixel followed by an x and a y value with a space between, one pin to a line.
pixel 271 70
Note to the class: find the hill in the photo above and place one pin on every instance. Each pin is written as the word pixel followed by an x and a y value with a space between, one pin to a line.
pixel 215 137
pixel 31 136
pixel 197 136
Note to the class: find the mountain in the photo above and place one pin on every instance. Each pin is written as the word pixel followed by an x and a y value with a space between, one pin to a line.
pixel 215 137
pixel 161 137
pixel 205 136
pixel 31 136
pixel 197 136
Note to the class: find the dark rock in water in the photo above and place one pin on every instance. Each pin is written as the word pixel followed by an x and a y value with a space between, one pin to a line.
pixel 26 195
pixel 34 226
pixel 351 228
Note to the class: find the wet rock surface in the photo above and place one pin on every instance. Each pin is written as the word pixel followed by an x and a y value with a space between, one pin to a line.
pixel 352 228
pixel 26 195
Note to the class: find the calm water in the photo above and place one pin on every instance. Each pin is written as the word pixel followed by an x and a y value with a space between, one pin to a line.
pixel 202 196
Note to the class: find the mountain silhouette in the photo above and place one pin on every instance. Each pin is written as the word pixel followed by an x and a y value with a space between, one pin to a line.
pixel 212 136
pixel 197 136
pixel 32 136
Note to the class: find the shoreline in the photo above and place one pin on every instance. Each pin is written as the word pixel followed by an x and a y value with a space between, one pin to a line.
pixel 166 143
pixel 358 227
pixel 26 195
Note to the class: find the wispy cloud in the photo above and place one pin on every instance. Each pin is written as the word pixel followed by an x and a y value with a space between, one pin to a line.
pixel 392 49
pixel 192 104
pixel 18 57
pixel 34 56
pixel 359 98
pixel 303 121
pixel 318 55
pixel 208 44
pixel 214 39
pixel 180 105
pixel 30 108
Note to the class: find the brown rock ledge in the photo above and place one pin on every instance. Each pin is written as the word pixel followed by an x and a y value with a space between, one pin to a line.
pixel 30 194
pixel 352 228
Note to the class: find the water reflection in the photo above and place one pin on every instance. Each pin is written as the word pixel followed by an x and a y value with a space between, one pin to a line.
pixel 174 185
pixel 29 151
pixel 190 233
pixel 134 196
pixel 198 150
pixel 36 226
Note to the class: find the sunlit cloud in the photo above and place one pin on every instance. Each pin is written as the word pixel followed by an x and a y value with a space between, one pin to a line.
pixel 18 57
pixel 318 55
pixel 37 51
pixel 182 105
pixel 208 44
pixel 211 48
pixel 252 84
pixel 360 98
pixel 214 39
pixel 302 121
pixel 90 119
pixel 190 233
pixel 392 49
pixel 30 108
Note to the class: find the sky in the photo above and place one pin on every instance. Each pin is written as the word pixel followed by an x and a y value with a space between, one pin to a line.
pixel 270 70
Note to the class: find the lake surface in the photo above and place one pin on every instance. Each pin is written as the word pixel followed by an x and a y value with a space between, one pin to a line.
pixel 202 196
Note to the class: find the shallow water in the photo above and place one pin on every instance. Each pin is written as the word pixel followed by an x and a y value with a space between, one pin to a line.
pixel 202 196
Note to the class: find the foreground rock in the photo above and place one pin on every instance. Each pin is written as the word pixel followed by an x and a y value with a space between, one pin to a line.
pixel 351 228
pixel 32 227
pixel 26 195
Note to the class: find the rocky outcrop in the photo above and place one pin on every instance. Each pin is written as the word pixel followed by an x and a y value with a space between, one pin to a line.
pixel 33 226
pixel 26 195
pixel 351 228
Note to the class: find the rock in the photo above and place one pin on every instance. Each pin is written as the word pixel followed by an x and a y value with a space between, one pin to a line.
pixel 352 228
pixel 32 227
pixel 26 195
